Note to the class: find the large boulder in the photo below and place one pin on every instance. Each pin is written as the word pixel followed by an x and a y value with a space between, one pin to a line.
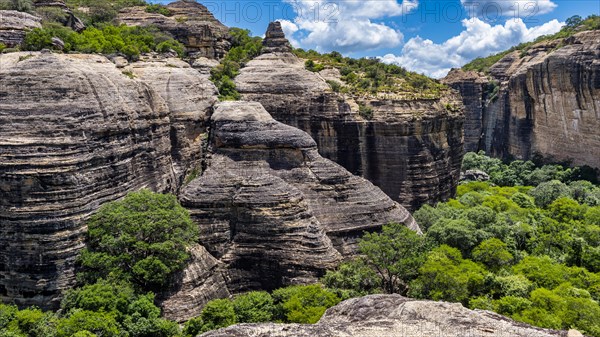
pixel 15 25
pixel 394 315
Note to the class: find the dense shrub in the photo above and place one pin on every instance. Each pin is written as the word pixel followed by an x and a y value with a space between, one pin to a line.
pixel 243 49
pixel 142 238
pixel 108 39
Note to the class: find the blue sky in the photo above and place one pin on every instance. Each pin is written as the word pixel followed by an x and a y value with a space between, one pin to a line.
pixel 427 36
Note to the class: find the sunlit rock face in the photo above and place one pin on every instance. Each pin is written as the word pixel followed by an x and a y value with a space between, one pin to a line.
pixel 75 132
pixel 544 101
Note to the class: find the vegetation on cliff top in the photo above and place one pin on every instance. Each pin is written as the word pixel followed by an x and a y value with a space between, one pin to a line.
pixel 371 77
pixel 243 48
pixel 573 25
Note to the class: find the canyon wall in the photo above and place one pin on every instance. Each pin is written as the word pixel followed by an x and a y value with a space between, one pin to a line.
pixel 79 130
pixel 74 133
pixel 544 101
pixel 411 149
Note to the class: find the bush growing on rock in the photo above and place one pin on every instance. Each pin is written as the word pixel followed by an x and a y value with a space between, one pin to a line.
pixel 142 239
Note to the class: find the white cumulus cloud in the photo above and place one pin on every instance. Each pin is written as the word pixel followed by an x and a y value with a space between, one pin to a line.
pixel 478 39
pixel 492 9
pixel 346 26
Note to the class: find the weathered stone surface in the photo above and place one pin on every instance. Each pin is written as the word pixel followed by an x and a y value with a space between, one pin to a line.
pixel 394 315
pixel 14 25
pixel 75 132
pixel 69 20
pixel 189 96
pixel 271 208
pixel 191 23
pixel 474 175
pixel 411 149
pixel 275 41
pixel 546 102
pixel 201 281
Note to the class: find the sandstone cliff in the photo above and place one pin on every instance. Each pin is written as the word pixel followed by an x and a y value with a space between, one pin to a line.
pixel 394 315
pixel 69 19
pixel 75 132
pixel 189 96
pixel 272 209
pixel 411 149
pixel 14 25
pixel 190 22
pixel 541 101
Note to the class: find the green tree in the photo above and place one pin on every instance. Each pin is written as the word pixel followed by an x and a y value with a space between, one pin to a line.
pixel 493 253
pixel 352 279
pixel 302 304
pixel 254 307
pixel 218 314
pixel 545 193
pixel 395 254
pixel 142 238
pixel 447 276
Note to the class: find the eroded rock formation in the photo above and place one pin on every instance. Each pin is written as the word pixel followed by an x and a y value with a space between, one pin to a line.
pixel 189 96
pixel 75 132
pixel 15 25
pixel 69 19
pixel 544 101
pixel 190 22
pixel 272 209
pixel 394 315
pixel 411 149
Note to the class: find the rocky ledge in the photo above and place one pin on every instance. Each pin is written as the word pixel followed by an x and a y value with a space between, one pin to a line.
pixel 15 25
pixel 190 22
pixel 394 315
pixel 540 101
pixel 411 149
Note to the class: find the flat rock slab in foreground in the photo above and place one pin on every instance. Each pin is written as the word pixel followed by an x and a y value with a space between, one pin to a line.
pixel 395 316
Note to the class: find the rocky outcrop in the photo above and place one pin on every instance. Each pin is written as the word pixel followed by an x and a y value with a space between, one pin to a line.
pixel 76 132
pixel 190 22
pixel 69 19
pixel 394 315
pixel 272 209
pixel 189 96
pixel 544 100
pixel 15 25
pixel 411 149
pixel 200 282
pixel 275 41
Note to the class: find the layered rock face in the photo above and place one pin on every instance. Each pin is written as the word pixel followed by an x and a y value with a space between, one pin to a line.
pixel 411 149
pixel 189 96
pixel 272 209
pixel 15 25
pixel 191 23
pixel 75 133
pixel 394 315
pixel 545 101
pixel 69 20
pixel 201 281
